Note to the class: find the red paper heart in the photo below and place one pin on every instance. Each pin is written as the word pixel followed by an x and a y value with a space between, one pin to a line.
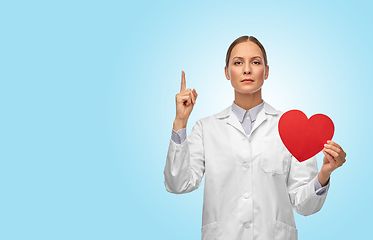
pixel 304 137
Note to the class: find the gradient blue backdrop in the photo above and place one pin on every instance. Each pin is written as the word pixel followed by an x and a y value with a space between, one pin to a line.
pixel 88 101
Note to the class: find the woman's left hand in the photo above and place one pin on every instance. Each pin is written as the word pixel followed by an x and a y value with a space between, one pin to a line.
pixel 333 159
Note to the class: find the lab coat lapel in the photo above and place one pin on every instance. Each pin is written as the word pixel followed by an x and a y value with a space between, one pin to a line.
pixel 233 121
pixel 230 118
pixel 259 120
pixel 262 116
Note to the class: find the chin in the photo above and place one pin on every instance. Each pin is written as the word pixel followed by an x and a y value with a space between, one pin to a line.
pixel 248 91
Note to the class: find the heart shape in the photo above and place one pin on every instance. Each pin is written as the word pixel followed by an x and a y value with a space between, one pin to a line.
pixel 304 137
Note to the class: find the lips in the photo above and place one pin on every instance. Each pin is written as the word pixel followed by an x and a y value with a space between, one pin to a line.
pixel 247 80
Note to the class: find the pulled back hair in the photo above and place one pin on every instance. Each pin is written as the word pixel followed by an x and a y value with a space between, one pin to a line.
pixel 245 39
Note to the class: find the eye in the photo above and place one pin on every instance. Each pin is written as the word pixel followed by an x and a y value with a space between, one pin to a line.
pixel 237 62
pixel 256 62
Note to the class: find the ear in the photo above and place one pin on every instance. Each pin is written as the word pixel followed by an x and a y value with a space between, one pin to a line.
pixel 226 73
pixel 267 72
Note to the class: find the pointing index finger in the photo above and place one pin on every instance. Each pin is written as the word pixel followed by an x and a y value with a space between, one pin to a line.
pixel 183 82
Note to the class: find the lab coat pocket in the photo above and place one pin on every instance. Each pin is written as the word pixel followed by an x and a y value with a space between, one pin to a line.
pixel 210 231
pixel 282 231
pixel 275 158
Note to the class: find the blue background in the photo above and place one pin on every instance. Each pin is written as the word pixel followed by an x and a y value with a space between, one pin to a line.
pixel 88 101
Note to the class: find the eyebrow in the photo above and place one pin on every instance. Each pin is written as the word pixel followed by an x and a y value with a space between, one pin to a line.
pixel 243 58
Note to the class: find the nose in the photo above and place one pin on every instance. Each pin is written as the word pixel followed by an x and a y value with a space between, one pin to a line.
pixel 247 69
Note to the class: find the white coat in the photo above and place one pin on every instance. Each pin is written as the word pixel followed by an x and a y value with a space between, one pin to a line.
pixel 252 182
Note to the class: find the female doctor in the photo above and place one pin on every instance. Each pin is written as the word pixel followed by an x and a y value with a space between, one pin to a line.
pixel 252 182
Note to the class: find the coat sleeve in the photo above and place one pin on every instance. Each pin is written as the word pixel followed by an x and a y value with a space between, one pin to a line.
pixel 301 186
pixel 185 163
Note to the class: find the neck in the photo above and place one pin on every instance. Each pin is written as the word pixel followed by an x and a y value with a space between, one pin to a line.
pixel 248 100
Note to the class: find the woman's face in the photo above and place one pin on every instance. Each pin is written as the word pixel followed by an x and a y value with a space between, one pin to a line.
pixel 246 62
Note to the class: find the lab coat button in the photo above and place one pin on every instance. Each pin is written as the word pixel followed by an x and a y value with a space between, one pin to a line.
pixel 246 195
pixel 246 165
pixel 247 224
pixel 249 139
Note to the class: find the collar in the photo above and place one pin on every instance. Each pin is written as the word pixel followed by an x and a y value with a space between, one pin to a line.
pixel 268 109
pixel 252 112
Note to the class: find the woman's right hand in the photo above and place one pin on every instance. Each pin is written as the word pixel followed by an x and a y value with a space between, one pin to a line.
pixel 185 101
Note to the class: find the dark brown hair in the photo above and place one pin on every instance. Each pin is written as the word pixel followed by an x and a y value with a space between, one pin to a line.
pixel 245 39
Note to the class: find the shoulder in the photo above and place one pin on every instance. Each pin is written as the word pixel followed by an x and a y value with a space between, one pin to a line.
pixel 217 116
pixel 271 112
pixel 213 119
pixel 267 109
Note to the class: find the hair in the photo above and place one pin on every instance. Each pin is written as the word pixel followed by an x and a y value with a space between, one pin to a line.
pixel 245 39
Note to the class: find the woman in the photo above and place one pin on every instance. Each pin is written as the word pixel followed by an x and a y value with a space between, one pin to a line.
pixel 252 182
